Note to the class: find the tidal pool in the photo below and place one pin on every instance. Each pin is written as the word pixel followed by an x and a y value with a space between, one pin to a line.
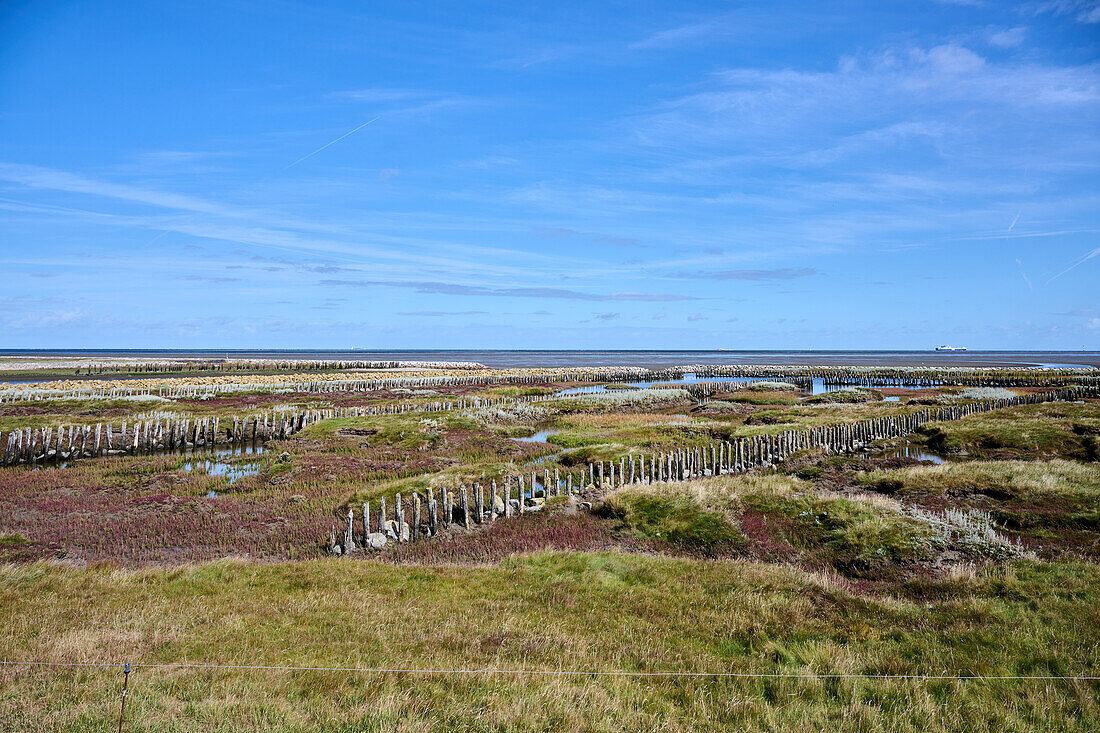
pixel 209 461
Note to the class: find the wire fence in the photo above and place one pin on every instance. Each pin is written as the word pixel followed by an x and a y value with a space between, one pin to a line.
pixel 127 667
pixel 552 672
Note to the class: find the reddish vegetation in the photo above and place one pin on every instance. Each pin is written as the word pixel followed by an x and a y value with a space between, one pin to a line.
pixel 899 392
pixel 245 401
pixel 77 515
pixel 21 410
pixel 582 532
pixel 766 536
pixel 135 510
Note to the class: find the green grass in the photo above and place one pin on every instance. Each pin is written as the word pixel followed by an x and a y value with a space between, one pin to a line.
pixel 1029 431
pixel 763 573
pixel 855 538
pixel 1052 504
pixel 846 395
pixel 747 515
pixel 574 612
pixel 1032 482
pixel 671 517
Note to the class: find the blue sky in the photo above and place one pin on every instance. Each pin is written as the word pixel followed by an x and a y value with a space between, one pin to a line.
pixel 284 174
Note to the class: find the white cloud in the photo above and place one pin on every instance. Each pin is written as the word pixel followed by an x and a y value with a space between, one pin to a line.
pixel 1006 37
pixel 1083 11
pixel 946 98
pixel 693 33
pixel 376 95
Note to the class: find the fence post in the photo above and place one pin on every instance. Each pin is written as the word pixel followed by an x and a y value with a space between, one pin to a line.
pixel 125 685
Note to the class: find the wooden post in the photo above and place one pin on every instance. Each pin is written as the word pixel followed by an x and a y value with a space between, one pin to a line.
pixel 433 516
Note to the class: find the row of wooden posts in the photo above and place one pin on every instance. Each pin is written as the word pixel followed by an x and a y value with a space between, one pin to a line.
pixel 907 376
pixel 67 443
pixel 716 459
pixel 29 392
pixel 853 376
pixel 63 443
pixel 462 507
pixel 60 443
pixel 236 365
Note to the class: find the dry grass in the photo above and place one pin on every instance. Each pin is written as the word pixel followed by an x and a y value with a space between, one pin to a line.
pixel 543 612
pixel 1024 480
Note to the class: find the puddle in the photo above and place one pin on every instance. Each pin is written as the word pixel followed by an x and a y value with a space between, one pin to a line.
pixel 539 437
pixel 207 461
pixel 201 458
pixel 592 389
pixel 907 450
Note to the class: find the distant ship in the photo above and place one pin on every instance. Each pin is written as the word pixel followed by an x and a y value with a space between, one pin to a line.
pixel 945 347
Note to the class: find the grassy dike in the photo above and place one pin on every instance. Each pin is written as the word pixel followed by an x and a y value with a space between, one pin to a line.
pixel 547 611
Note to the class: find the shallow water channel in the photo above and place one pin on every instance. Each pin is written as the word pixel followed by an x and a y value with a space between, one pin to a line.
pixel 818 385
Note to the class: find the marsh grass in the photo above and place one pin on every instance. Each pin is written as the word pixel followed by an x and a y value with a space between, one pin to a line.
pixel 673 517
pixel 847 395
pixel 1041 431
pixel 546 611
pixel 759 515
pixel 765 573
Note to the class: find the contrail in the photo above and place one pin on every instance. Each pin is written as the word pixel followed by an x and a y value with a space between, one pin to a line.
pixel 333 142
pixel 1015 220
pixel 1080 261
pixel 1024 274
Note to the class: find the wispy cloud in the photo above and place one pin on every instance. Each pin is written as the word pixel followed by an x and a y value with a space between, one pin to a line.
pixel 1023 274
pixel 782 273
pixel 710 30
pixel 1006 37
pixel 34 176
pixel 563 232
pixel 434 314
pixel 269 230
pixel 210 279
pixel 753 106
pixel 376 95
pixel 445 288
pixel 1083 11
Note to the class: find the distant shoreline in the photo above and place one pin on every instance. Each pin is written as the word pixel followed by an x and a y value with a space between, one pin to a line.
pixel 503 358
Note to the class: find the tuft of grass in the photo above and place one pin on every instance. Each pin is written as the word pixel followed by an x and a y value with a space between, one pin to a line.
pixel 846 395
pixel 671 517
